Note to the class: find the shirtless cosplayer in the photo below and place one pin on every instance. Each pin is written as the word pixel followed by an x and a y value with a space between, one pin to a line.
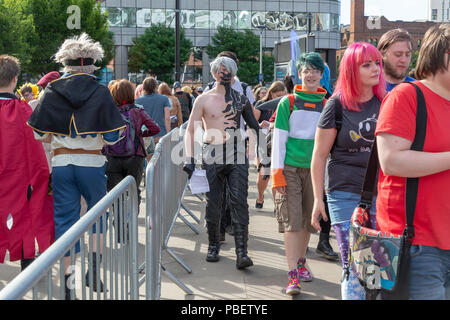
pixel 219 112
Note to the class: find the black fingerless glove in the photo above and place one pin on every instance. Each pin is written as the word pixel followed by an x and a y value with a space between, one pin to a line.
pixel 189 167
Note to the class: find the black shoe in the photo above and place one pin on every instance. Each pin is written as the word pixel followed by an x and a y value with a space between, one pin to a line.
pixel 214 242
pixel 94 275
pixel 324 248
pixel 213 252
pixel 241 238
pixel 259 205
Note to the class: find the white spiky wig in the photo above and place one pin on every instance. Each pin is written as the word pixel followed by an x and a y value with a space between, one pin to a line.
pixel 79 47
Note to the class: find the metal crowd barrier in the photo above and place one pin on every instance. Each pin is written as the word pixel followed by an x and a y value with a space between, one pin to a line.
pixel 166 184
pixel 116 214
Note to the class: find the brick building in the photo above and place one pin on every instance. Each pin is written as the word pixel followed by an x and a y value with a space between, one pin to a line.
pixel 370 29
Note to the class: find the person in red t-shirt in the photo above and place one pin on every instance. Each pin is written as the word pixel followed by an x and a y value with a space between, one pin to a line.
pixel 430 253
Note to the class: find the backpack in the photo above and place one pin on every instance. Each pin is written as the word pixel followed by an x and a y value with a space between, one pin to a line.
pixel 126 146
pixel 185 103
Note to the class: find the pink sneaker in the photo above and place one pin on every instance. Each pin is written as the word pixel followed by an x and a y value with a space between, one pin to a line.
pixel 303 273
pixel 293 287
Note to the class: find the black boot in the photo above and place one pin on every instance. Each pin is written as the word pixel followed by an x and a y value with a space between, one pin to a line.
pixel 241 239
pixel 324 248
pixel 68 287
pixel 25 263
pixel 94 275
pixel 214 242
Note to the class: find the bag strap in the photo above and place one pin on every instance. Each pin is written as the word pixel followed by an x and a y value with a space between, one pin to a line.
pixel 291 98
pixel 412 184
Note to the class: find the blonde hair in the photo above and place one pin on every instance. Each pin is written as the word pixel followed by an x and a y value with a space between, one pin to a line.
pixel 79 47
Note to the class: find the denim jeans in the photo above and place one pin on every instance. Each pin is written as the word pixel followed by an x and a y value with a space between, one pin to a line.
pixel 429 273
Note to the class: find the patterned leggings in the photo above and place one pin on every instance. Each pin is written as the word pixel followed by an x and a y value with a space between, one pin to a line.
pixel 351 289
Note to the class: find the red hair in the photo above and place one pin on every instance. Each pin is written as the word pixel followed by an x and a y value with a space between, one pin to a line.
pixel 348 86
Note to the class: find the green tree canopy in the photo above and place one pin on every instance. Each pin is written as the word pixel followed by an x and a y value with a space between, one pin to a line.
pixel 33 30
pixel 16 31
pixel 50 19
pixel 154 52
pixel 246 46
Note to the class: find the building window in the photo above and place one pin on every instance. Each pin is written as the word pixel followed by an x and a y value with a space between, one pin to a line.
pixel 434 13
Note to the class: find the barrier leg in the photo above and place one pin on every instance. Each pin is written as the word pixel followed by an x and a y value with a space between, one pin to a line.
pixel 190 225
pixel 179 260
pixel 183 205
pixel 176 281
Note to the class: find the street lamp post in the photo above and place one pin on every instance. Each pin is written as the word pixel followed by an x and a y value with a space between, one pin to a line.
pixel 260 76
pixel 177 40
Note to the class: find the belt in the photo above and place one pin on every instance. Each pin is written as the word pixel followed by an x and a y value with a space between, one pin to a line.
pixel 75 151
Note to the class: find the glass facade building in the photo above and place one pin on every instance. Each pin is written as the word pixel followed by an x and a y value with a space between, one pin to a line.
pixel 201 18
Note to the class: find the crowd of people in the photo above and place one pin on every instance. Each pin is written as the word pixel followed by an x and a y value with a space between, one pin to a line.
pixel 68 140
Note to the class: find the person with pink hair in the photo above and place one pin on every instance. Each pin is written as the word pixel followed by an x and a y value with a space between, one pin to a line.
pixel 346 131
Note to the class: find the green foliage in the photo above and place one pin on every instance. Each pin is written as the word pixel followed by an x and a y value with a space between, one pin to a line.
pixel 246 46
pixel 16 31
pixel 414 57
pixel 154 52
pixel 33 30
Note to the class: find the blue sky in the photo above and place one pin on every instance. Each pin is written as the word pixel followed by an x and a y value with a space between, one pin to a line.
pixel 407 10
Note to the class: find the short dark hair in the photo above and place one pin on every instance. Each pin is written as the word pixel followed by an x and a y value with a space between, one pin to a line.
pixel 9 68
pixel 310 59
pixel 150 85
pixel 229 54
pixel 431 58
pixel 122 92
pixel 392 36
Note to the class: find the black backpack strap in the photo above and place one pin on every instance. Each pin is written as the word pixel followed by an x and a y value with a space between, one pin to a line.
pixel 338 114
pixel 412 184
pixel 337 119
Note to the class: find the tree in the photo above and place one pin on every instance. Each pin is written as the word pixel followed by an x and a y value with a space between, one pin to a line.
pixel 246 46
pixel 16 31
pixel 50 21
pixel 154 52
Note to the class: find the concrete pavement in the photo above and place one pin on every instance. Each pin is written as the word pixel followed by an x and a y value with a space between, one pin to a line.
pixel 265 280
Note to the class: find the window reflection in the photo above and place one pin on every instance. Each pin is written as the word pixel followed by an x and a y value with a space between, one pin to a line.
pixel 114 17
pixel 323 21
pixel 272 20
pixel 244 20
pixel 230 19
pixel 202 19
pixel 129 17
pixel 158 16
pixel 215 19
pixel 170 18
pixel 187 18
pixel 144 18
pixel 334 22
pixel 300 21
pixel 286 21
pixel 258 19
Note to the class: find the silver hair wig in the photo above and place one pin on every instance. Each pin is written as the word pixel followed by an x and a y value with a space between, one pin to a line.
pixel 79 47
pixel 226 62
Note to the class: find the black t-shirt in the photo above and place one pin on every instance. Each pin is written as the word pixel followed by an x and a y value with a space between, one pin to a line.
pixel 347 163
pixel 265 114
